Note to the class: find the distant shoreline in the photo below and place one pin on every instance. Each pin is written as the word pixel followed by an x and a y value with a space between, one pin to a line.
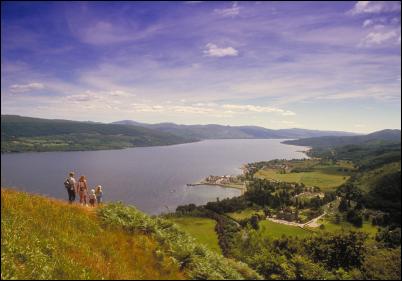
pixel 216 184
pixel 242 189
pixel 157 145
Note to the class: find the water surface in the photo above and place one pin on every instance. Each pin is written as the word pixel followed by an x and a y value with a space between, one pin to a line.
pixel 152 178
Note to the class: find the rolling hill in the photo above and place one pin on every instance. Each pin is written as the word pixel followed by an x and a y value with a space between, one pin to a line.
pixel 213 131
pixel 36 134
pixel 385 136
pixel 43 238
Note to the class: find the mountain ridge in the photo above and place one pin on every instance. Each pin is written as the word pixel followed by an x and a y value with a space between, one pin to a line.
pixel 216 131
pixel 386 135
pixel 19 133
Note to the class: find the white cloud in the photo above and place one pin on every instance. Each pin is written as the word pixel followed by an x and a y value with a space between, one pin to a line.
pixel 228 12
pixel 377 38
pixel 200 108
pixel 100 97
pixel 103 32
pixel 213 50
pixel 367 23
pixel 85 97
pixel 120 93
pixel 390 93
pixel 256 108
pixel 142 107
pixel 23 88
pixel 373 7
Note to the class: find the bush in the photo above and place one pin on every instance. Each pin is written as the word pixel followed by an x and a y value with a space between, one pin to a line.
pixel 197 261
pixel 355 218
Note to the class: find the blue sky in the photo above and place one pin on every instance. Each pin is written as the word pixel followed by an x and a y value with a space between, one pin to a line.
pixel 317 65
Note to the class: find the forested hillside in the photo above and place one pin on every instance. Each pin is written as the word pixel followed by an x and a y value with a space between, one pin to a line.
pixel 384 136
pixel 334 216
pixel 213 131
pixel 35 134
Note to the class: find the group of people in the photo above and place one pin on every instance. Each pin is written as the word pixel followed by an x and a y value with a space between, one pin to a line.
pixel 81 187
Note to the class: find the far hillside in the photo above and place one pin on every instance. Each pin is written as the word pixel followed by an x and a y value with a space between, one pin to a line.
pixel 335 216
pixel 213 131
pixel 376 182
pixel 20 134
pixel 384 136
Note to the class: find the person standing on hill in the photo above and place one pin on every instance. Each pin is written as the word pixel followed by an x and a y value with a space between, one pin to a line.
pixel 99 194
pixel 71 186
pixel 92 198
pixel 83 190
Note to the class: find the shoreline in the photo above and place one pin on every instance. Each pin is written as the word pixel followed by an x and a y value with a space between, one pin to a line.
pixel 144 146
pixel 243 188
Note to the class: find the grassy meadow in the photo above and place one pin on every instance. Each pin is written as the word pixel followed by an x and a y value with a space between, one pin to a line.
pixel 325 176
pixel 244 214
pixel 43 238
pixel 202 229
pixel 276 230
pixel 330 226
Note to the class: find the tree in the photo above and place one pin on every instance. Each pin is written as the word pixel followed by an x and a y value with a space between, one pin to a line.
pixel 389 238
pixel 337 250
pixel 337 219
pixel 267 212
pixel 355 218
pixel 306 269
pixel 254 222
pixel 343 205
pixel 382 264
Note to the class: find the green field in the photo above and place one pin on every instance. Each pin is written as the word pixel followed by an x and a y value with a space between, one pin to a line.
pixel 276 230
pixel 326 177
pixel 245 214
pixel 344 225
pixel 202 229
pixel 366 180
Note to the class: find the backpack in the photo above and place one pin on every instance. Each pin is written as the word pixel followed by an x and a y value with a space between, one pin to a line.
pixel 68 184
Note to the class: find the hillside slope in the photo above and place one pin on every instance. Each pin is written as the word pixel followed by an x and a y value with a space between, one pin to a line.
pixel 332 141
pixel 42 238
pixel 20 133
pixel 213 131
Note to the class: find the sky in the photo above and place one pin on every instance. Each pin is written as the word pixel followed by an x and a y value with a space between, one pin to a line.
pixel 314 65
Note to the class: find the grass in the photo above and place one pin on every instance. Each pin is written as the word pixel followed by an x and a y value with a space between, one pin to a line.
pixel 330 226
pixel 326 177
pixel 329 221
pixel 244 214
pixel 276 230
pixel 43 238
pixel 202 229
pixel 367 179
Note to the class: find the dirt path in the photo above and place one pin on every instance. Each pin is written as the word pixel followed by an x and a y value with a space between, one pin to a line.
pixel 314 222
pixel 311 223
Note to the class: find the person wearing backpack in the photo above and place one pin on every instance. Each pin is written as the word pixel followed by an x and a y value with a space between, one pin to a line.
pixel 70 185
pixel 83 190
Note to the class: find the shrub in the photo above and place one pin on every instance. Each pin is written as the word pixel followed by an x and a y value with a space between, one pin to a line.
pixel 196 261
